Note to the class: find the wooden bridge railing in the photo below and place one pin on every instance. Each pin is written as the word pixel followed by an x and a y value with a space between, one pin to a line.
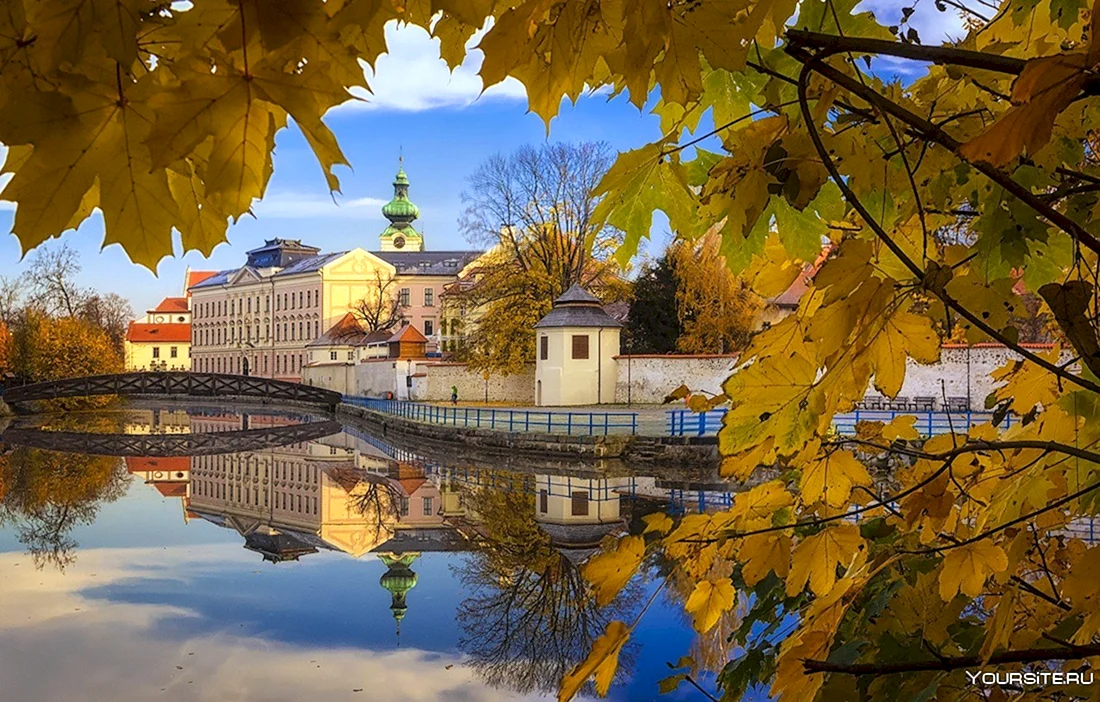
pixel 181 383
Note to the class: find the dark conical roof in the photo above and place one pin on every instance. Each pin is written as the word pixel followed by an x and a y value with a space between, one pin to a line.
pixel 577 294
pixel 577 308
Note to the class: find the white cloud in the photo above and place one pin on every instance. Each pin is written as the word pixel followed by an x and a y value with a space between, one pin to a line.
pixel 56 643
pixel 412 76
pixel 291 205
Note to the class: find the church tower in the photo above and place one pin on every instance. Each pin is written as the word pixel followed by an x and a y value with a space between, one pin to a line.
pixel 400 234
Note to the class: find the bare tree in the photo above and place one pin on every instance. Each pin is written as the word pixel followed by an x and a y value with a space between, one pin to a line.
pixel 379 308
pixel 11 298
pixel 536 205
pixel 110 312
pixel 50 281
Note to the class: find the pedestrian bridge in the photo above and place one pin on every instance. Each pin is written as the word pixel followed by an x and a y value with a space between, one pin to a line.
pixel 179 384
pixel 167 445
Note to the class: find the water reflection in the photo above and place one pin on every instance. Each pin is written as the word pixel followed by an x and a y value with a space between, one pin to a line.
pixel 496 551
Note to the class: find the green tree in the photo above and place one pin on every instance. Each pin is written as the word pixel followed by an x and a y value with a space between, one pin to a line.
pixel 653 325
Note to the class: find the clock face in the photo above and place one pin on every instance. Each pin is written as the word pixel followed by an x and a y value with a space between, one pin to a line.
pixel 399 242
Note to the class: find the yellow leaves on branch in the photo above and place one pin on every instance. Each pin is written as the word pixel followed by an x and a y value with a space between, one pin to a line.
pixel 601 663
pixel 1046 87
pixel 610 571
pixel 709 601
pixel 815 558
pixel 966 568
pixel 831 478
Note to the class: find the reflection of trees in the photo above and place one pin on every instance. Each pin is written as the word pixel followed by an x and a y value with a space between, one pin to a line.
pixel 374 497
pixel 45 494
pixel 529 617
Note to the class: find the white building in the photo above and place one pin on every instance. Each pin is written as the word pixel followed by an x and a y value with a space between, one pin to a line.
pixel 577 345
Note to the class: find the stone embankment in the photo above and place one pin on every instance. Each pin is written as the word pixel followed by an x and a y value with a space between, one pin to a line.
pixel 630 449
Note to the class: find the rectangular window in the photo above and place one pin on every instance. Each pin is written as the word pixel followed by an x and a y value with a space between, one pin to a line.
pixel 429 297
pixel 544 502
pixel 580 501
pixel 301 298
pixel 404 506
pixel 429 327
pixel 544 348
pixel 156 352
pixel 351 355
pixel 332 355
pixel 403 297
pixel 580 346
pixel 173 352
pixel 428 511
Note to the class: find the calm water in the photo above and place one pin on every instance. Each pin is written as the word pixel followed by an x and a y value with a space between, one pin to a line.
pixel 276 564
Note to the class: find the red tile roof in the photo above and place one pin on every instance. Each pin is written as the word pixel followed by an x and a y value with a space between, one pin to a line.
pixel 172 489
pixel 196 277
pixel 142 332
pixel 172 304
pixel 408 333
pixel 142 464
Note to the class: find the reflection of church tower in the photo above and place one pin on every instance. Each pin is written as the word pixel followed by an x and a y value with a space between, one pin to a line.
pixel 398 580
pixel 400 234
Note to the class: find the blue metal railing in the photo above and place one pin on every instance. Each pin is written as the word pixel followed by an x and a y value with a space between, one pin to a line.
pixel 570 423
pixel 687 423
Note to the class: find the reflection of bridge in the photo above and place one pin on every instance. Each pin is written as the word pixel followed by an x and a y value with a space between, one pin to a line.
pixel 160 445
pixel 175 383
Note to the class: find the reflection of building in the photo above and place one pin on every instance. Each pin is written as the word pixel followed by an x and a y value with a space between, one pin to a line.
pixel 170 477
pixel 398 579
pixel 158 421
pixel 162 340
pixel 577 513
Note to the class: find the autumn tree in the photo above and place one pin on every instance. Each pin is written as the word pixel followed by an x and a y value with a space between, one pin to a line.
pixel 45 348
pixel 110 312
pixel 716 308
pixel 780 128
pixel 653 325
pixel 533 211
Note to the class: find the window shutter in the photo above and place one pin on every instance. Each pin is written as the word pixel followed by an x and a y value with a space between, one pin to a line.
pixel 544 348
pixel 580 346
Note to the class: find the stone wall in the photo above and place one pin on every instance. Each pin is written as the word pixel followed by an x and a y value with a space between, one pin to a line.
pixel 432 382
pixel 649 378
pixel 333 376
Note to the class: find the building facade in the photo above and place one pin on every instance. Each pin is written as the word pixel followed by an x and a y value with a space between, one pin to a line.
pixel 161 341
pixel 261 318
pixel 577 342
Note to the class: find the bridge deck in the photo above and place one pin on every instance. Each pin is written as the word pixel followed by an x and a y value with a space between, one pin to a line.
pixel 174 383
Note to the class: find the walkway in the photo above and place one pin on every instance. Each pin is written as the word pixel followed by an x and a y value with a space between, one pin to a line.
pixel 643 420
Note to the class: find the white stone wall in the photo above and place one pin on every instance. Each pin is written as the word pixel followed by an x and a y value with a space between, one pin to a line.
pixel 332 376
pixel 376 377
pixel 649 378
pixel 432 383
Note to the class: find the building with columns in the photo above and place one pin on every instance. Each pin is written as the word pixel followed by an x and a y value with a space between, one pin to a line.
pixel 259 319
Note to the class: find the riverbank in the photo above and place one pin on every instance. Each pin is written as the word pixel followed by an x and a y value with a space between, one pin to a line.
pixel 660 450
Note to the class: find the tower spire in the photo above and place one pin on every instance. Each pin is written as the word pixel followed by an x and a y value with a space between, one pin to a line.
pixel 400 235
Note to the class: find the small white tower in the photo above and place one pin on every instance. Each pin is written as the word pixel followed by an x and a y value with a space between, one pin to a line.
pixel 576 344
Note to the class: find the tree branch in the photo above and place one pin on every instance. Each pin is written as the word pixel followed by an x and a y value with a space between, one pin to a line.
pixel 833 44
pixel 1030 655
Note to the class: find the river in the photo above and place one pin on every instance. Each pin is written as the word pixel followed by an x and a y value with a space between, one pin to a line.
pixel 167 552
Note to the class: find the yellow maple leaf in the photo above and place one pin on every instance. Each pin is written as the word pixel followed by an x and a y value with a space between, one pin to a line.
pixel 901 427
pixel 601 663
pixel 754 508
pixel 761 554
pixel 709 601
pixel 966 568
pixel 611 570
pixel 903 335
pixel 831 478
pixel 816 558
pixel 658 522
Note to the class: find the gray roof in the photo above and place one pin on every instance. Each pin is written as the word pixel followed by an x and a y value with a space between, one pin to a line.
pixel 580 536
pixel 428 262
pixel 311 264
pixel 577 294
pixel 219 278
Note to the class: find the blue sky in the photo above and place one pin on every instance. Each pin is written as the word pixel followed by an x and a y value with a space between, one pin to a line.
pixel 443 125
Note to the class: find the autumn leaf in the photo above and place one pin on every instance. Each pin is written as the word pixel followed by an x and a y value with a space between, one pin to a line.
pixel 815 558
pixel 832 477
pixel 965 568
pixel 658 522
pixel 601 663
pixel 611 570
pixel 761 554
pixel 709 601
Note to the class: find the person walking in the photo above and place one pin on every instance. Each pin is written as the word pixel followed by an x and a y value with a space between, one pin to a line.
pixel 454 394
